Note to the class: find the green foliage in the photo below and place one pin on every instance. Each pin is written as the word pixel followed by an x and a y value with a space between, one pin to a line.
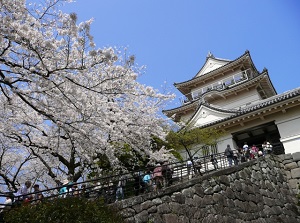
pixel 64 210
pixel 129 159
pixel 158 143
pixel 186 139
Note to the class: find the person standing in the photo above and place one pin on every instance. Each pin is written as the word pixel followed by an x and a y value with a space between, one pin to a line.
pixel 189 167
pixel 229 154
pixel 120 188
pixel 158 177
pixel 246 151
pixel 147 181
pixel 253 152
pixel 236 157
pixel 167 174
pixel 267 147
pixel 198 165
pixel 24 191
pixel 214 161
pixel 37 194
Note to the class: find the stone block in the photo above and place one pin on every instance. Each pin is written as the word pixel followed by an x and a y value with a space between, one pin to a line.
pixel 287 161
pixel 166 199
pixel 175 208
pixel 179 198
pixel 199 190
pixel 288 156
pixel 296 156
pixel 170 218
pixel 217 189
pixel 163 209
pixel 290 166
pixel 209 191
pixel 141 217
pixel 157 201
pixel 295 173
pixel 281 156
pixel 156 218
pixel 294 183
pixel 128 212
pixel 288 174
pixel 146 205
pixel 219 199
pixel 152 209
pixel 189 192
pixel 224 180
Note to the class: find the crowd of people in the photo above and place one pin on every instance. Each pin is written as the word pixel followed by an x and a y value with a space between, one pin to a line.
pixel 152 180
pixel 246 152
pixel 23 196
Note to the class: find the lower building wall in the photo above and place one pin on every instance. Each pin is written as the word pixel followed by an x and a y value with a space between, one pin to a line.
pixel 290 134
pixel 224 141
pixel 291 145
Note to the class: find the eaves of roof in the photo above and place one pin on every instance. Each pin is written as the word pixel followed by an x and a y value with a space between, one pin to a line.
pixel 184 107
pixel 260 105
pixel 236 87
pixel 218 70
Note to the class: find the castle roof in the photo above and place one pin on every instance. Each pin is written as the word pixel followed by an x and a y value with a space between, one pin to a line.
pixel 276 101
pixel 214 67
pixel 265 85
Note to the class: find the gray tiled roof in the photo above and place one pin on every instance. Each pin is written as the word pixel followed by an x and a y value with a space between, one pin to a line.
pixel 237 60
pixel 188 104
pixel 259 105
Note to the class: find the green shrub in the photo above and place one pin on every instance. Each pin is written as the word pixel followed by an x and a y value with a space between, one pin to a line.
pixel 64 210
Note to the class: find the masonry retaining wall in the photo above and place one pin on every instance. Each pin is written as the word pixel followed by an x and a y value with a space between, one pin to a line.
pixel 291 165
pixel 259 191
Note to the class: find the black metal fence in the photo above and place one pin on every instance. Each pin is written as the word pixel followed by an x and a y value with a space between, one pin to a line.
pixel 117 187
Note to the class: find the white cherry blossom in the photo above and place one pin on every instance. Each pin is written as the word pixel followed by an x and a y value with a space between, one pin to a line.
pixel 64 101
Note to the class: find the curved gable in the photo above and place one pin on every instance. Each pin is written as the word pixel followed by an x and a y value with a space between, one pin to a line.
pixel 206 115
pixel 210 65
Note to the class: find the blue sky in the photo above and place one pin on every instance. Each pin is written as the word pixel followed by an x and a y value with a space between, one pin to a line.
pixel 172 37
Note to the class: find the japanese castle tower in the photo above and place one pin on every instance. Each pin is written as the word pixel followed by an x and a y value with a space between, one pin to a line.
pixel 235 96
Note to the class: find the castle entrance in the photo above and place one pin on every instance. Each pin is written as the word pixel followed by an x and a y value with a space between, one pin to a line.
pixel 258 134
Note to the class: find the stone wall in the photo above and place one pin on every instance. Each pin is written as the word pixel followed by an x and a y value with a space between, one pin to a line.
pixel 291 165
pixel 256 191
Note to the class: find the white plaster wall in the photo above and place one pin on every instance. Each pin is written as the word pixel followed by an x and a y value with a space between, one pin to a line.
pixel 288 126
pixel 205 116
pixel 210 118
pixel 239 100
pixel 211 64
pixel 224 141
pixel 292 145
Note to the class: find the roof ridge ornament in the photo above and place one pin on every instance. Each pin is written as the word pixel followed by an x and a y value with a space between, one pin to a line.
pixel 210 55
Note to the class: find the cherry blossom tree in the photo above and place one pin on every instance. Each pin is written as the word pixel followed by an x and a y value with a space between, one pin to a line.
pixel 66 102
